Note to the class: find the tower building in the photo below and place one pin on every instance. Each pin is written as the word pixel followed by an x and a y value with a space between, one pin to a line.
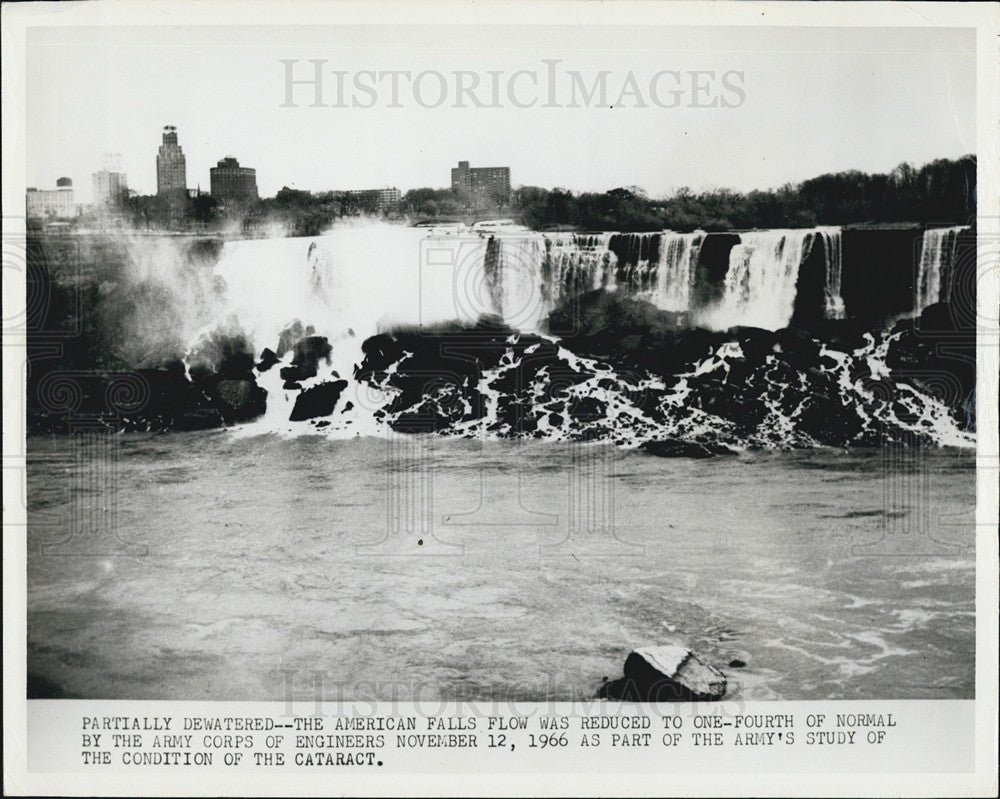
pixel 171 166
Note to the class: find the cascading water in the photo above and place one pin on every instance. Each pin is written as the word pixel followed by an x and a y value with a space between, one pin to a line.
pixel 635 272
pixel 333 295
pixel 344 286
pixel 528 274
pixel 521 301
pixel 576 263
pixel 675 272
pixel 832 249
pixel 760 283
pixel 937 257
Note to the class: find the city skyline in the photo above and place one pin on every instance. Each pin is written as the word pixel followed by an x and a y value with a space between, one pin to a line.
pixel 807 91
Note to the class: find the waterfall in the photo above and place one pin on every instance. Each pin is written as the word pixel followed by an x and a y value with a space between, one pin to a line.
pixel 937 257
pixel 529 274
pixel 761 281
pixel 832 247
pixel 334 293
pixel 358 280
pixel 576 263
pixel 521 301
pixel 635 273
pixel 675 271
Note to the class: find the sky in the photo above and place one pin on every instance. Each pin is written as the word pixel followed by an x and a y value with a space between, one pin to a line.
pixel 755 107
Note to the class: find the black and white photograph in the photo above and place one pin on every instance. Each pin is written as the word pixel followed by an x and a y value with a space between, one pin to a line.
pixel 505 367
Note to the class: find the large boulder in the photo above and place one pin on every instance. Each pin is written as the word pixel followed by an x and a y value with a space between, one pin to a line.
pixel 221 354
pixel 798 348
pixel 755 342
pixel 317 401
pixel 240 400
pixel 938 318
pixel 307 355
pixel 676 448
pixel 666 674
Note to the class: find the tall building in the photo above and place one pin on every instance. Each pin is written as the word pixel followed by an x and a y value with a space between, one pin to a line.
pixel 51 203
pixel 110 190
pixel 171 166
pixel 486 185
pixel 230 181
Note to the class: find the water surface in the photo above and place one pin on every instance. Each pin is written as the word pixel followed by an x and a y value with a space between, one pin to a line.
pixel 422 567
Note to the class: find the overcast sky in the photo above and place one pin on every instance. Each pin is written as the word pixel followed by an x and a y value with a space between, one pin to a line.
pixel 799 102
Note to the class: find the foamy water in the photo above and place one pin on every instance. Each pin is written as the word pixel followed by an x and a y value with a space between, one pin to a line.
pixel 365 278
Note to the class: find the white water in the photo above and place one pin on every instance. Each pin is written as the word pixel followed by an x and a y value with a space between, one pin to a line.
pixel 675 273
pixel 518 284
pixel 763 274
pixel 760 283
pixel 347 285
pixel 638 269
pixel 530 274
pixel 834 265
pixel 937 256
pixel 358 281
pixel 579 263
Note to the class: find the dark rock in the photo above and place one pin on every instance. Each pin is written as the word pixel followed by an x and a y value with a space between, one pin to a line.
pixel 665 674
pixel 938 318
pixel 797 347
pixel 267 360
pixel 241 400
pixel 382 349
pixel 736 663
pixel 317 401
pixel 309 352
pixel 879 266
pixel 712 266
pixel 200 419
pixel 236 366
pixel 291 335
pixel 755 342
pixel 843 335
pixel 587 409
pixel 226 355
pixel 676 448
pixel 810 295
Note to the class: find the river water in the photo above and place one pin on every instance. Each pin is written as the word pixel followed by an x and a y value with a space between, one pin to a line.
pixel 234 567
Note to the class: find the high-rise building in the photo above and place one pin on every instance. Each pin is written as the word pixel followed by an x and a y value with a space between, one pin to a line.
pixel 51 203
pixel 110 190
pixel 487 185
pixel 230 181
pixel 171 166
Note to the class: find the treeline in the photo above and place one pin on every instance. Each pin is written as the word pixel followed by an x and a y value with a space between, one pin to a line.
pixel 435 203
pixel 942 191
pixel 304 213
pixel 171 209
pixel 300 213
